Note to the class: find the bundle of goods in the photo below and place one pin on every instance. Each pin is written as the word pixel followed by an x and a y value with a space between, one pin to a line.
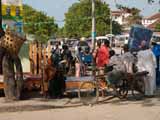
pixel 12 42
pixel 138 34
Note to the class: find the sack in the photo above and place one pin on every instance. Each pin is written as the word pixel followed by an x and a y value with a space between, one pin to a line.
pixel 12 42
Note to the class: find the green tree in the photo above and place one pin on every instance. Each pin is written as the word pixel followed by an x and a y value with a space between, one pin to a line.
pixel 158 27
pixel 117 28
pixel 60 33
pixel 78 19
pixel 38 23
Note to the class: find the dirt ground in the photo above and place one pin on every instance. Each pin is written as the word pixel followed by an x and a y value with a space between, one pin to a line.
pixel 108 108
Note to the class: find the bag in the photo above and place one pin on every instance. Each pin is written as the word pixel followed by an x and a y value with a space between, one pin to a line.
pixel 12 42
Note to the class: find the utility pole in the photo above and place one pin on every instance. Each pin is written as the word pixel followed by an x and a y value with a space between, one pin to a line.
pixel 93 35
pixel 0 14
pixel 93 26
pixel 110 21
pixel 111 41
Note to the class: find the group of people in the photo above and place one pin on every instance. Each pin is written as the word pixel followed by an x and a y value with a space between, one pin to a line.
pixel 129 62
pixel 126 62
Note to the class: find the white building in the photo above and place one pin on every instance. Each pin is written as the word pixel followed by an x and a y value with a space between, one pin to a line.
pixel 151 21
pixel 120 16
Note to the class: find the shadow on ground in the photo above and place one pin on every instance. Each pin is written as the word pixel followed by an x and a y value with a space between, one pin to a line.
pixel 38 103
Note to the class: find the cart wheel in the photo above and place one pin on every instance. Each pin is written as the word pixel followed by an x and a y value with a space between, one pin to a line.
pixel 138 89
pixel 122 90
pixel 88 93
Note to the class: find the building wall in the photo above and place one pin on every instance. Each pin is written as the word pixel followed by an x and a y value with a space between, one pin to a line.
pixel 121 18
pixel 147 22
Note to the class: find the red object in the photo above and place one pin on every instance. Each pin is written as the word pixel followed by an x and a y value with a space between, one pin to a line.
pixel 102 56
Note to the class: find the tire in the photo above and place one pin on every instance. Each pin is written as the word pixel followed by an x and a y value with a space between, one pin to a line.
pixel 88 93
pixel 122 89
pixel 138 89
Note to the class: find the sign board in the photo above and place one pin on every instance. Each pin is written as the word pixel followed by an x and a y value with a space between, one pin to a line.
pixel 12 9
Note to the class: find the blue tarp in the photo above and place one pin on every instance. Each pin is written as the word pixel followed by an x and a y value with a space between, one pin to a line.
pixel 139 33
pixel 87 58
pixel 156 50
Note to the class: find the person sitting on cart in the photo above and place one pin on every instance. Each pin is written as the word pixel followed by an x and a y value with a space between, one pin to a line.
pixel 123 65
pixel 128 59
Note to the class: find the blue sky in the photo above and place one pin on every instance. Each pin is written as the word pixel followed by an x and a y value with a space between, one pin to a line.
pixel 57 8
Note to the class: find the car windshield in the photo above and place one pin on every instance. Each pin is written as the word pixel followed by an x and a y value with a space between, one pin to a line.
pixel 156 38
pixel 54 42
pixel 82 43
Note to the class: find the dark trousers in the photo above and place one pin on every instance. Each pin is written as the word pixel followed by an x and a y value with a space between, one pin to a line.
pixel 158 72
pixel 57 85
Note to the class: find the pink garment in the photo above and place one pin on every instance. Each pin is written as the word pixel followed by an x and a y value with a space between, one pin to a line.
pixel 77 70
pixel 102 56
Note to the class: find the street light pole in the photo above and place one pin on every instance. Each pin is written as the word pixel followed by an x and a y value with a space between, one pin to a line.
pixel 110 21
pixel 93 25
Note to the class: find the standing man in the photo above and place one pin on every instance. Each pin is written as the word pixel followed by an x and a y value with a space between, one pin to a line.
pixel 147 62
pixel 103 54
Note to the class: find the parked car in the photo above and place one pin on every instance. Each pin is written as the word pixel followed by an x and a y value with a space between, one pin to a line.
pixel 70 42
pixel 107 37
pixel 53 42
pixel 156 38
pixel 120 40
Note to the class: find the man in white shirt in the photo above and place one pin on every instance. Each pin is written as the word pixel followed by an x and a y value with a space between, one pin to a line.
pixel 147 62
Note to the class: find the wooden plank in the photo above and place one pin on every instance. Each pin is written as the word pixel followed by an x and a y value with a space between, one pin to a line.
pixel 73 84
pixel 39 58
pixel 1 85
pixel 31 58
pixel 35 58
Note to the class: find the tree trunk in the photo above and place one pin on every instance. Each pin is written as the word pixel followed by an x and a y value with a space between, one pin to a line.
pixel 19 76
pixel 9 79
pixel 13 83
pixel 2 52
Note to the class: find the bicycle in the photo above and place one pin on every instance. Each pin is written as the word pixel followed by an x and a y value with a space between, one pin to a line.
pixel 89 91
